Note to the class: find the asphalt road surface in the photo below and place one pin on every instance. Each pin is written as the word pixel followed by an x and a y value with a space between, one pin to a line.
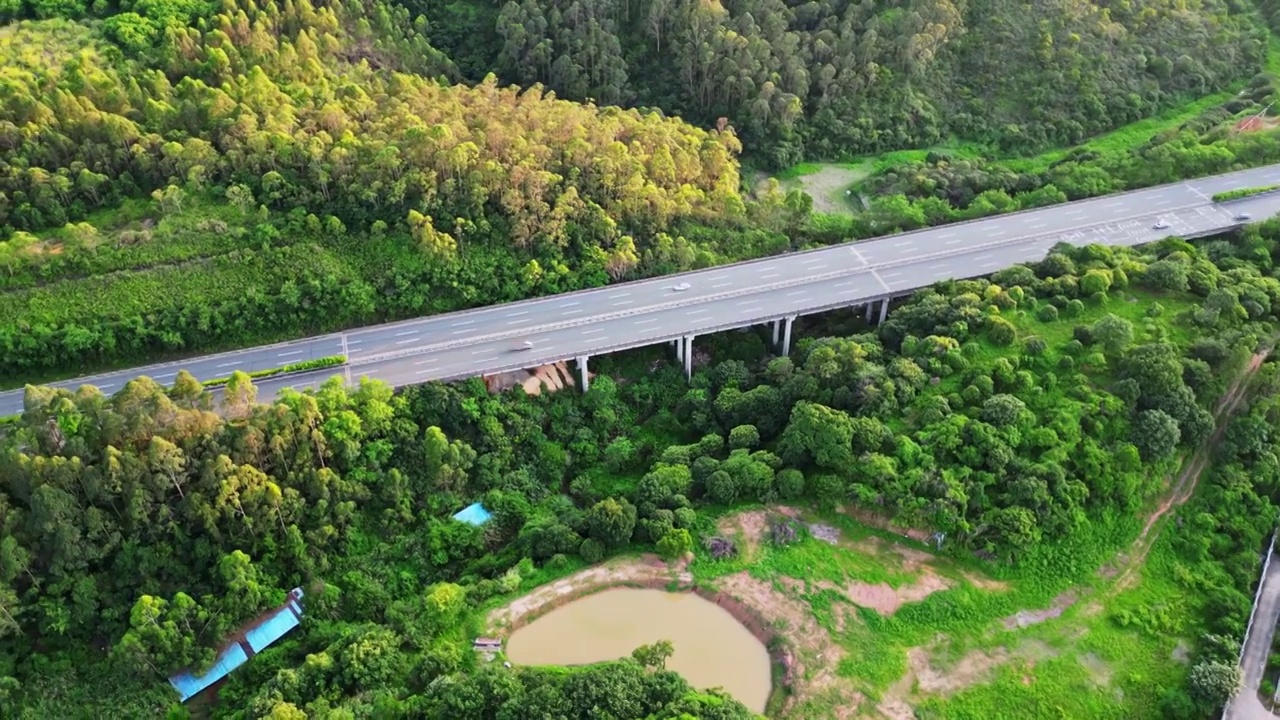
pixel 590 322
pixel 1246 705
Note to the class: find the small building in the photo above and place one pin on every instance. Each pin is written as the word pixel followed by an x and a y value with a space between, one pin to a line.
pixel 251 640
pixel 487 645
pixel 473 514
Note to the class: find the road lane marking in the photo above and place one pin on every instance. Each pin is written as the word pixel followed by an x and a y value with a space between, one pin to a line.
pixel 427 361
pixel 592 331
pixel 721 285
pixel 406 341
pixel 953 242
pixel 770 275
pixel 623 302
pixel 697 312
pixel 481 352
pixel 618 295
pixel 816 261
pixel 407 332
pixel 647 321
pixel 468 322
pixel 797 292
pixel 231 364
pixel 569 304
pixel 1037 226
pixel 518 313
pixel 945 235
pixel 291 352
pixel 717 277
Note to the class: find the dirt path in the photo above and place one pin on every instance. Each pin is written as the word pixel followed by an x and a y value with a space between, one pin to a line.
pixel 1185 485
pixel 896 702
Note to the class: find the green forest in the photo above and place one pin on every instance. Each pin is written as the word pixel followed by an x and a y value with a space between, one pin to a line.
pixel 833 78
pixel 1013 414
pixel 184 176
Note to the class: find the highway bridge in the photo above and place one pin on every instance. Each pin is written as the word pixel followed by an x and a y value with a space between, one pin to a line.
pixel 677 308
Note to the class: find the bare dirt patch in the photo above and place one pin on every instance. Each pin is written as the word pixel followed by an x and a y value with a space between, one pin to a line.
pixel 807 649
pixel 648 571
pixel 751 526
pixel 984 583
pixel 827 188
pixel 1099 671
pixel 885 599
pixel 971 668
pixel 924 677
pixel 1027 618
pixel 882 523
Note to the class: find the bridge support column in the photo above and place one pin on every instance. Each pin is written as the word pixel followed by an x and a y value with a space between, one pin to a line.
pixel 585 384
pixel 777 325
pixel 870 307
pixel 787 322
pixel 884 308
pixel 679 343
pixel 687 343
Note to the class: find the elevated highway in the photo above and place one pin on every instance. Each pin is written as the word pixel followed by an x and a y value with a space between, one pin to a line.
pixel 676 308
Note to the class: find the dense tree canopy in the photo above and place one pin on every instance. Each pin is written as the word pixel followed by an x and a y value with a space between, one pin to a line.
pixel 837 78
pixel 154 521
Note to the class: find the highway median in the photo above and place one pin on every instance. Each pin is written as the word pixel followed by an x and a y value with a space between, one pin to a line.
pixel 290 369
pixel 1244 193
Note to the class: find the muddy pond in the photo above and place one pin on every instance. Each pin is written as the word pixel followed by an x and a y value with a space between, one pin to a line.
pixel 712 649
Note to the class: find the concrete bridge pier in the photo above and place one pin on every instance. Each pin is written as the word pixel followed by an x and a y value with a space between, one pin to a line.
pixel 686 343
pixel 787 323
pixel 777 327
pixel 884 309
pixel 585 382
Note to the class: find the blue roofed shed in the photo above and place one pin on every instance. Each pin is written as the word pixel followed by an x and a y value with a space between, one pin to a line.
pixel 274 627
pixel 188 685
pixel 256 637
pixel 473 514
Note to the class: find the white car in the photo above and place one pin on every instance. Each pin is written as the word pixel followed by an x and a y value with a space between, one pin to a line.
pixel 1241 217
pixel 1162 225
pixel 526 345
pixel 680 287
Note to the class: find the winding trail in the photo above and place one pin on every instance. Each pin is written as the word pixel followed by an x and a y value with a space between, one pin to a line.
pixel 1185 485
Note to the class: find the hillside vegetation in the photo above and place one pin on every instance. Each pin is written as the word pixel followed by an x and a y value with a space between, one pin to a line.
pixel 1021 415
pixel 298 181
pixel 835 78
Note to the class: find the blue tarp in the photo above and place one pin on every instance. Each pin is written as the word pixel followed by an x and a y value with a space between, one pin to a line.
pixel 188 685
pixel 262 634
pixel 473 514
pixel 272 629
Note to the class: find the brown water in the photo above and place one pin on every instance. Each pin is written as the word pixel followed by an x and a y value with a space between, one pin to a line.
pixel 712 649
